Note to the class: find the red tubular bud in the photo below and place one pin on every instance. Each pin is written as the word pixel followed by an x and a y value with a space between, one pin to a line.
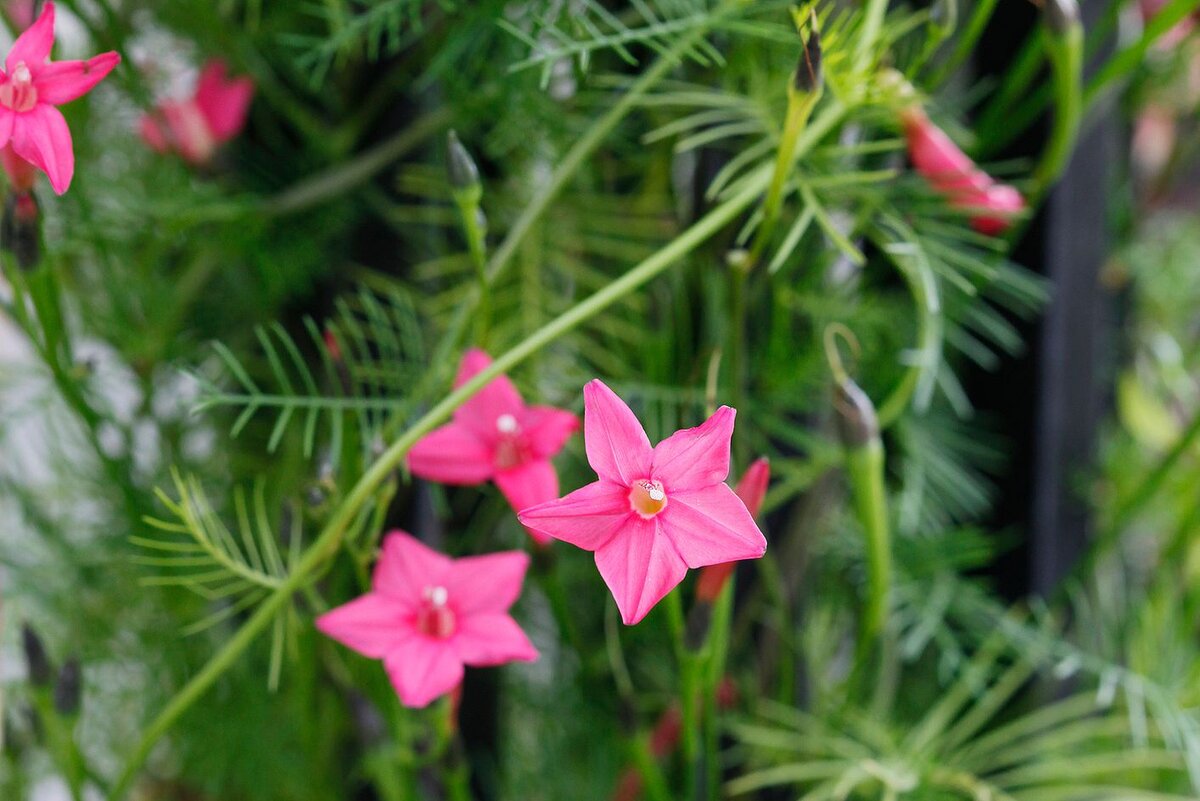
pixel 752 488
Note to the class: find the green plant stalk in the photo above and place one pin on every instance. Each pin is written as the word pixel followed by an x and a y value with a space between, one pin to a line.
pixel 330 535
pixel 1066 63
pixel 864 468
pixel 653 781
pixel 689 693
pixel 342 178
pixel 469 212
pixel 1141 495
pixel 965 45
pixel 717 653
pixel 872 27
pixel 799 109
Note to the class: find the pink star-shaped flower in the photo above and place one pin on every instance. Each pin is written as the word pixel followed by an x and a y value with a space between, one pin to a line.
pixel 496 436
pixel 656 511
pixel 31 87
pixel 951 172
pixel 195 127
pixel 427 615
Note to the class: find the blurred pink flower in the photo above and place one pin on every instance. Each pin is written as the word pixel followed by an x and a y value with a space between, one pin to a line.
pixel 427 615
pixel 31 87
pixel 951 172
pixel 21 174
pixel 1172 38
pixel 195 127
pixel 496 436
pixel 752 488
pixel 21 12
pixel 655 511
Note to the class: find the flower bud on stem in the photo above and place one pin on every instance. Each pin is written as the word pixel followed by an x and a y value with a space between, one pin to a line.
pixel 467 191
pixel 858 427
pixel 37 663
pixel 804 90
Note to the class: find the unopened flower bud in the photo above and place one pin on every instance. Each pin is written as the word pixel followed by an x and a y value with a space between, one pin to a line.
pixel 36 661
pixel 1061 15
pixel 943 15
pixel 808 76
pixel 68 688
pixel 20 229
pixel 856 419
pixel 460 167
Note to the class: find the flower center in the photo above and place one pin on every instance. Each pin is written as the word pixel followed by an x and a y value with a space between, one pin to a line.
pixel 511 448
pixel 19 94
pixel 647 497
pixel 434 618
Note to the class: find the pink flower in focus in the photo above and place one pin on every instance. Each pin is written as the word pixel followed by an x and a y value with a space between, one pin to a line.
pixel 752 488
pixel 951 172
pixel 496 436
pixel 31 87
pixel 655 511
pixel 195 127
pixel 427 615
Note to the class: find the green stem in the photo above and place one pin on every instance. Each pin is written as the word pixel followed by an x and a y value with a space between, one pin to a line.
pixel 469 213
pixel 800 107
pixel 382 468
pixel 653 780
pixel 342 178
pixel 1066 61
pixel 965 45
pixel 1142 494
pixel 864 466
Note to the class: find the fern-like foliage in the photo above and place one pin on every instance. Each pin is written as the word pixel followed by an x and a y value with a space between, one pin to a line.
pixel 358 29
pixel 234 566
pixel 962 746
pixel 370 356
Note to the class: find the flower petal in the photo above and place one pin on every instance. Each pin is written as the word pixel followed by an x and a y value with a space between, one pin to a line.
pixel 407 566
pixel 61 82
pixel 488 583
pixel 547 429
pixel 34 45
pixel 372 624
pixel 617 446
pixel 151 129
pixel 528 484
pixel 752 487
pixel 497 398
pixel 452 454
pixel 587 518
pixel 640 566
pixel 423 669
pixel 712 525
pixel 492 639
pixel 223 102
pixel 41 137
pixel 696 457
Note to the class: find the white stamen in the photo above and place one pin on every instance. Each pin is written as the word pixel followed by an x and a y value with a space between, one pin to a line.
pixel 437 595
pixel 656 494
pixel 506 424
